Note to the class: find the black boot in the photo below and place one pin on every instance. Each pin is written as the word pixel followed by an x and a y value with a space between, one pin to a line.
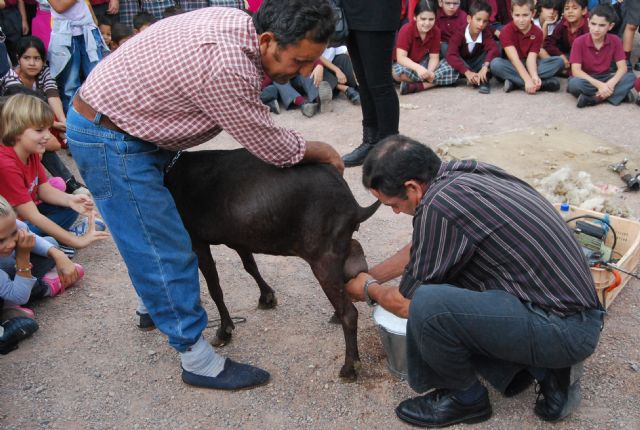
pixel 357 156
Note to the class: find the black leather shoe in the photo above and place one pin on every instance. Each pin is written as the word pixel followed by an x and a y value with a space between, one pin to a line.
pixel 559 393
pixel 440 408
pixel 357 156
pixel 551 85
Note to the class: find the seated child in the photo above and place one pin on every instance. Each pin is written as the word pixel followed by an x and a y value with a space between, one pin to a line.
pixel 574 23
pixel 522 41
pixel 120 33
pixel 337 70
pixel 25 122
pixel 472 48
pixel 591 58
pixel 417 53
pixel 449 18
pixel 142 21
pixel 547 14
pixel 30 268
pixel 311 96
pixel 104 25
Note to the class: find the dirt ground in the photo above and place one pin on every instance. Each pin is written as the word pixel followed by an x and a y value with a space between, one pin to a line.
pixel 89 367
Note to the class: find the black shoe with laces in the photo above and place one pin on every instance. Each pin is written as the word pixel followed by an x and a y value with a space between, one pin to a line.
pixel 357 156
pixel 559 393
pixel 550 85
pixel 440 408
pixel 145 322
pixel 15 330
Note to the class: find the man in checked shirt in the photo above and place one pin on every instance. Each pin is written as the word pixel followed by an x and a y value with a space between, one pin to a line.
pixel 174 86
pixel 493 284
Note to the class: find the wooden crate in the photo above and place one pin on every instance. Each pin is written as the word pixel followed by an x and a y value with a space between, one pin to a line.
pixel 627 249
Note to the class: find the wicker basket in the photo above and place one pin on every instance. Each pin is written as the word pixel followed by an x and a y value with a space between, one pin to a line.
pixel 627 247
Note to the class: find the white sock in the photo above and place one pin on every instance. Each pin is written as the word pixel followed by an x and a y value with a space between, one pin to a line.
pixel 202 359
pixel 141 309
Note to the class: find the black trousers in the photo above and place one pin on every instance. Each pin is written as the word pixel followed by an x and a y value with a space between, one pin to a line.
pixel 371 57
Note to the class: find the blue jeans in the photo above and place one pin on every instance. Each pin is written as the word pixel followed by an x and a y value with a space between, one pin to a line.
pixel 454 334
pixel 504 69
pixel 577 86
pixel 77 69
pixel 63 216
pixel 125 176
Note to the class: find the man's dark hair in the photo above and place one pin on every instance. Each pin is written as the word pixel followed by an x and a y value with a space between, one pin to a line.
pixel 480 6
pixel 294 20
pixel 120 31
pixel 605 11
pixel 396 160
pixel 143 18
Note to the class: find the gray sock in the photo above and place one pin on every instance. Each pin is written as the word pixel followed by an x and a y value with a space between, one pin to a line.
pixel 141 309
pixel 202 359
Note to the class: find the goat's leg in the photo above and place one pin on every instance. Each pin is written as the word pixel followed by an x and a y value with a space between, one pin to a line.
pixel 267 295
pixel 208 268
pixel 332 282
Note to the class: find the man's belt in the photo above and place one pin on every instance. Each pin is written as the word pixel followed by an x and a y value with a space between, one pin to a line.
pixel 90 113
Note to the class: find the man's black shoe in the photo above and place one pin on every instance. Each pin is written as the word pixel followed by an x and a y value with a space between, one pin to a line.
pixel 440 408
pixel 520 382
pixel 559 393
pixel 357 156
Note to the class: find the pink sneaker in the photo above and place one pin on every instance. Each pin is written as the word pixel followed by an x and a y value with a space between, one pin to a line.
pixel 15 311
pixel 53 281
pixel 57 182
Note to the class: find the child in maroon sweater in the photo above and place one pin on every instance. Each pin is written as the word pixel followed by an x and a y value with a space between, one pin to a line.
pixel 449 19
pixel 574 23
pixel 472 47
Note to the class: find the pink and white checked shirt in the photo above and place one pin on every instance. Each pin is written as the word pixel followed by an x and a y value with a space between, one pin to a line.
pixel 185 79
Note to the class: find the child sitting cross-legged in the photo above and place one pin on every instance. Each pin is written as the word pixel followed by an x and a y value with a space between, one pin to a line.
pixel 25 122
pixel 472 48
pixel 418 65
pixel 31 267
pixel 591 58
pixel 573 24
pixel 522 41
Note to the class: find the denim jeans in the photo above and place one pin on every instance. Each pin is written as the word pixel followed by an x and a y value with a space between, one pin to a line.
pixel 63 216
pixel 504 69
pixel 125 176
pixel 454 334
pixel 77 69
pixel 577 86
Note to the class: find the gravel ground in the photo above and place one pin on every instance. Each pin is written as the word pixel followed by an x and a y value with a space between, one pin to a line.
pixel 89 367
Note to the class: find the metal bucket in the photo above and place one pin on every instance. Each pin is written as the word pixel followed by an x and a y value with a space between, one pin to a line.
pixel 393 332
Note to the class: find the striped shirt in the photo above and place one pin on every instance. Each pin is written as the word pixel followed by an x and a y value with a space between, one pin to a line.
pixel 43 82
pixel 189 5
pixel 479 228
pixel 188 77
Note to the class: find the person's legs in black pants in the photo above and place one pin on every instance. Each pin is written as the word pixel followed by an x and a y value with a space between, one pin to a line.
pixel 371 58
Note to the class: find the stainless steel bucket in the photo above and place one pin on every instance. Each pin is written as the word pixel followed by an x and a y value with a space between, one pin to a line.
pixel 393 331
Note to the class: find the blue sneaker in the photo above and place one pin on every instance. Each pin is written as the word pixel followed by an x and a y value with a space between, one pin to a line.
pixel 81 227
pixel 234 376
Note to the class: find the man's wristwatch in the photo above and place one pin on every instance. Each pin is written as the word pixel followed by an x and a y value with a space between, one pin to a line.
pixel 368 298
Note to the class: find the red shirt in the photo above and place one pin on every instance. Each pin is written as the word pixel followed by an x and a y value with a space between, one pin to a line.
pixel 458 50
pixel 561 40
pixel 596 61
pixel 523 42
pixel 18 181
pixel 450 24
pixel 409 40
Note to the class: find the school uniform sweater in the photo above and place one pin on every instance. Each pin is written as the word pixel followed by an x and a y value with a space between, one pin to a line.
pixel 458 52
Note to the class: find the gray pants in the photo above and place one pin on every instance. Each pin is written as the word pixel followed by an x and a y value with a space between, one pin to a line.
pixel 453 334
pixel 579 86
pixel 504 69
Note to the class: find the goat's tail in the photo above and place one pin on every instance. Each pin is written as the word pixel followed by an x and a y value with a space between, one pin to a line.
pixel 365 213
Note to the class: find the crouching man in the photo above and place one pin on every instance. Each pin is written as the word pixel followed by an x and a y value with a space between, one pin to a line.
pixel 493 285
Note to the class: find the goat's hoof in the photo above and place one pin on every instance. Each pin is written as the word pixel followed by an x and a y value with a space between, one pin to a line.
pixel 348 374
pixel 222 338
pixel 268 302
pixel 334 319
